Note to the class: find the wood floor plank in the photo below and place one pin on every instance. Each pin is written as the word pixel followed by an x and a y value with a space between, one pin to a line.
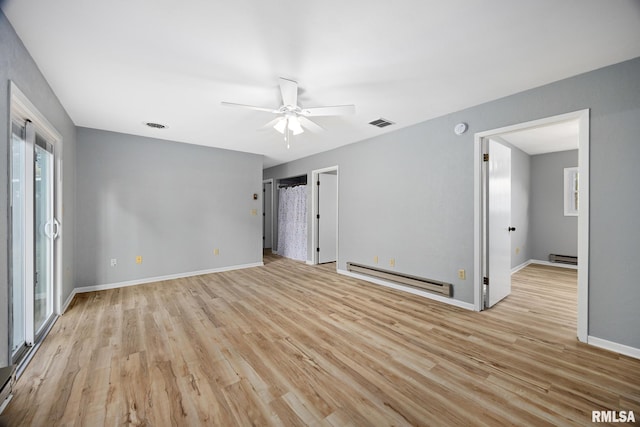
pixel 291 344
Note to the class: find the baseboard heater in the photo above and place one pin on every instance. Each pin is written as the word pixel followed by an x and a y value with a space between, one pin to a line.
pixel 434 286
pixel 563 259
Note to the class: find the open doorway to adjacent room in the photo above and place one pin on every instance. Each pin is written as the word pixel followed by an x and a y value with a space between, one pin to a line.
pixel 539 226
pixel 325 215
pixel 267 216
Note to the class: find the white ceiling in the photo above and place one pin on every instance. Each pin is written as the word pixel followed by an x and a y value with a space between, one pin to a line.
pixel 545 139
pixel 117 64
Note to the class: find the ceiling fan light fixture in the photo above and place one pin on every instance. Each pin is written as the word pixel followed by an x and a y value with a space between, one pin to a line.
pixel 294 126
pixel 293 119
pixel 289 123
pixel 281 125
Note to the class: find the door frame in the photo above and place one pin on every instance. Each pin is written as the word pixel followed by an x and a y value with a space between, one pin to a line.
pixel 268 181
pixel 582 116
pixel 23 109
pixel 314 212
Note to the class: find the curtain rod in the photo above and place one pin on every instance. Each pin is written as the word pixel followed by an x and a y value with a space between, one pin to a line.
pixel 290 185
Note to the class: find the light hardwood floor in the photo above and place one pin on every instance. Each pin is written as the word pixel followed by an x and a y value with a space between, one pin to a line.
pixel 291 344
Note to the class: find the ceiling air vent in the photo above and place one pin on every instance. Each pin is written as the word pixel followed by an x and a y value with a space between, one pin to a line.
pixel 381 122
pixel 156 125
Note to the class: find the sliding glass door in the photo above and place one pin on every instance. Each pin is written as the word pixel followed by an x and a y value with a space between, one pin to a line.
pixel 33 232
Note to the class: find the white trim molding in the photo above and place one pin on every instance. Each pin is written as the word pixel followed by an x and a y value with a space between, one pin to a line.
pixel 615 347
pixel 517 268
pixel 106 286
pixel 67 303
pixel 553 264
pixel 537 261
pixel 408 289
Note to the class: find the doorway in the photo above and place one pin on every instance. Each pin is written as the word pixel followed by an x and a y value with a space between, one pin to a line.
pixel 292 219
pixel 325 215
pixel 34 229
pixel 267 214
pixel 485 258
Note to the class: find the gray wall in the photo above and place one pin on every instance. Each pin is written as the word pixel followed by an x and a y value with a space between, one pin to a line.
pixel 397 195
pixel 521 207
pixel 17 65
pixel 553 232
pixel 408 194
pixel 171 203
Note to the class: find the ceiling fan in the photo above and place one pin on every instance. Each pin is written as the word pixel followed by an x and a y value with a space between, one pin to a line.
pixel 292 119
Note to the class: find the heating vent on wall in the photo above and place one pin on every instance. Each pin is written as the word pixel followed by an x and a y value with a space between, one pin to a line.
pixel 403 279
pixel 563 259
pixel 381 122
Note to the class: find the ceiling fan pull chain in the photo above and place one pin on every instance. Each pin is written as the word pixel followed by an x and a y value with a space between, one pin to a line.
pixel 287 134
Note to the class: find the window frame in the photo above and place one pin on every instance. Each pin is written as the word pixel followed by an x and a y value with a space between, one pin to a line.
pixel 571 191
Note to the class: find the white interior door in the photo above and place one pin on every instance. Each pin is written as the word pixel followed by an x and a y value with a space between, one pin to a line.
pixel 498 222
pixel 328 217
pixel 267 215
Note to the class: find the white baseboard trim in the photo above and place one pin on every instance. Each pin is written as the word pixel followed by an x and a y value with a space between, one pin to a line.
pixel 408 289
pixel 106 286
pixel 66 304
pixel 553 264
pixel 520 267
pixel 536 261
pixel 613 346
pixel 310 262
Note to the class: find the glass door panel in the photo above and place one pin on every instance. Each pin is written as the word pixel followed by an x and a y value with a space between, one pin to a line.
pixel 44 234
pixel 18 247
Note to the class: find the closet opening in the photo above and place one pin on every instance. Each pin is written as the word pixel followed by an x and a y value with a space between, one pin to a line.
pixel 267 215
pixel 292 218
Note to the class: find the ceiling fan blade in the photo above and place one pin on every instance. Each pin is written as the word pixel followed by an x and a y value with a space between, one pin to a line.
pixel 289 91
pixel 250 107
pixel 336 110
pixel 306 123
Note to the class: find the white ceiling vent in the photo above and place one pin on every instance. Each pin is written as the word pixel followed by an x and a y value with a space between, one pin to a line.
pixel 381 122
pixel 156 125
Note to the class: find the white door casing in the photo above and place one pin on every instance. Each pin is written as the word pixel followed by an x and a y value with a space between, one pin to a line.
pixel 582 117
pixel 328 214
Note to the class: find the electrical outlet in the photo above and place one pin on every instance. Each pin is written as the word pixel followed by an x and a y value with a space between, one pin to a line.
pixel 216 251
pixel 392 262
pixel 139 259
pixel 114 262
pixel 375 259
pixel 462 275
